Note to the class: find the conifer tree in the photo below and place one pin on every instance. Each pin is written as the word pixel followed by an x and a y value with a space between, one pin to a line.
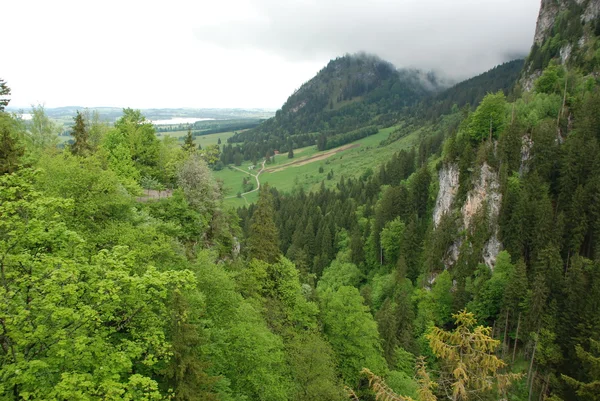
pixel 590 360
pixel 263 243
pixel 291 154
pixel 470 365
pixel 10 148
pixel 186 371
pixel 188 144
pixel 4 91
pixel 81 145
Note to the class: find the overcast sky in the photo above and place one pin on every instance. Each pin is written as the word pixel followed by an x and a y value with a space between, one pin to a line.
pixel 238 53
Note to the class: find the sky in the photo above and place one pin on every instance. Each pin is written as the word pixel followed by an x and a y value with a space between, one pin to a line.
pixel 238 53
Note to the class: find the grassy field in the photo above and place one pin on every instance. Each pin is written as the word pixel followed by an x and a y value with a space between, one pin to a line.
pixel 351 162
pixel 204 140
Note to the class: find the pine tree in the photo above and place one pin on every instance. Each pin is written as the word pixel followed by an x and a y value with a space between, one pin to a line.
pixel 4 91
pixel 468 358
pixel 590 360
pixel 291 154
pixel 81 146
pixel 10 148
pixel 263 243
pixel 188 144
pixel 186 371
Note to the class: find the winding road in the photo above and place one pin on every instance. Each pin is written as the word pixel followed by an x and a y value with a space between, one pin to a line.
pixel 253 175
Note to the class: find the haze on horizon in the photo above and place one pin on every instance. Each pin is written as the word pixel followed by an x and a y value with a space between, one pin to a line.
pixel 239 53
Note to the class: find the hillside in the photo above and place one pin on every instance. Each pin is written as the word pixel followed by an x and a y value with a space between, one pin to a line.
pixel 470 92
pixel 349 93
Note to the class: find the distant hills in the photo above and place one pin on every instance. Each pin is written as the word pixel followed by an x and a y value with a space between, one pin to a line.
pixel 111 114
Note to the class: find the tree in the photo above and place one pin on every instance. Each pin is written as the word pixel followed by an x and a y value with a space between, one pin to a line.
pixel 80 146
pixel 219 141
pixel 11 150
pixel 263 237
pixel 291 154
pixel 199 187
pixel 313 368
pixel 141 138
pixel 188 144
pixel 589 390
pixel 4 92
pixel 210 154
pixel 489 118
pixel 467 354
pixel 352 333
pixel 42 130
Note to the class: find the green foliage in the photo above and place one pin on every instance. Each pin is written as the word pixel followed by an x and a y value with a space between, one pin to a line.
pixel 591 362
pixel 63 312
pixel 339 274
pixel 263 237
pixel 489 297
pixel 391 237
pixel 352 332
pixel 115 149
pixel 551 80
pixel 242 348
pixel 11 146
pixel 42 131
pixel 489 118
pixel 4 92
pixel 198 185
pixel 140 137
pixel 80 146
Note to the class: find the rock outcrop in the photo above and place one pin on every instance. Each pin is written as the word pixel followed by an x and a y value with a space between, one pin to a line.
pixel 448 187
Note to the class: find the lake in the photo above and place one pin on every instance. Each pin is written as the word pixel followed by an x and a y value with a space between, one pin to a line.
pixel 179 120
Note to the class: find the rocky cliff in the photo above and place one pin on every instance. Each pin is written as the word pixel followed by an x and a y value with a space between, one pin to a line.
pixel 566 31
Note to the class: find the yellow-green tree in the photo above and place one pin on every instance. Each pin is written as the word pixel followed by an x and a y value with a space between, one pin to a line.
pixel 469 366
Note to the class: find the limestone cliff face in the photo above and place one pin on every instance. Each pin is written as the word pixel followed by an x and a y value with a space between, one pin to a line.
pixel 485 193
pixel 448 184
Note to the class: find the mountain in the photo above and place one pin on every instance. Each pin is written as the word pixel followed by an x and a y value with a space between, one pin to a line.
pixel 349 93
pixel 567 31
pixel 473 90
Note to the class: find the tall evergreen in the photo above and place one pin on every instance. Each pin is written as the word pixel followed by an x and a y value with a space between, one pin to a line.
pixel 188 144
pixel 11 150
pixel 80 134
pixel 4 92
pixel 263 238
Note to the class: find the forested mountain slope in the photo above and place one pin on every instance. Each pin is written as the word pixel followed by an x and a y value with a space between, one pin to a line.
pixel 349 93
pixel 465 268
pixel 470 92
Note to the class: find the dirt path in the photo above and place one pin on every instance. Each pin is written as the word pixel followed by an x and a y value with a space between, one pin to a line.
pixel 312 159
pixel 255 177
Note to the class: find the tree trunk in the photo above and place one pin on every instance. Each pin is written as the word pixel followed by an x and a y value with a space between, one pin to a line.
pixel 516 337
pixel 531 363
pixel 531 384
pixel 505 339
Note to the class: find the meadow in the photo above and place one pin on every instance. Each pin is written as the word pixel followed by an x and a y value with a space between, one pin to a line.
pixel 204 140
pixel 303 171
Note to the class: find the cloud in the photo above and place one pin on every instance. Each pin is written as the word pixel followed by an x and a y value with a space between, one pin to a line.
pixel 460 38
pixel 238 53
